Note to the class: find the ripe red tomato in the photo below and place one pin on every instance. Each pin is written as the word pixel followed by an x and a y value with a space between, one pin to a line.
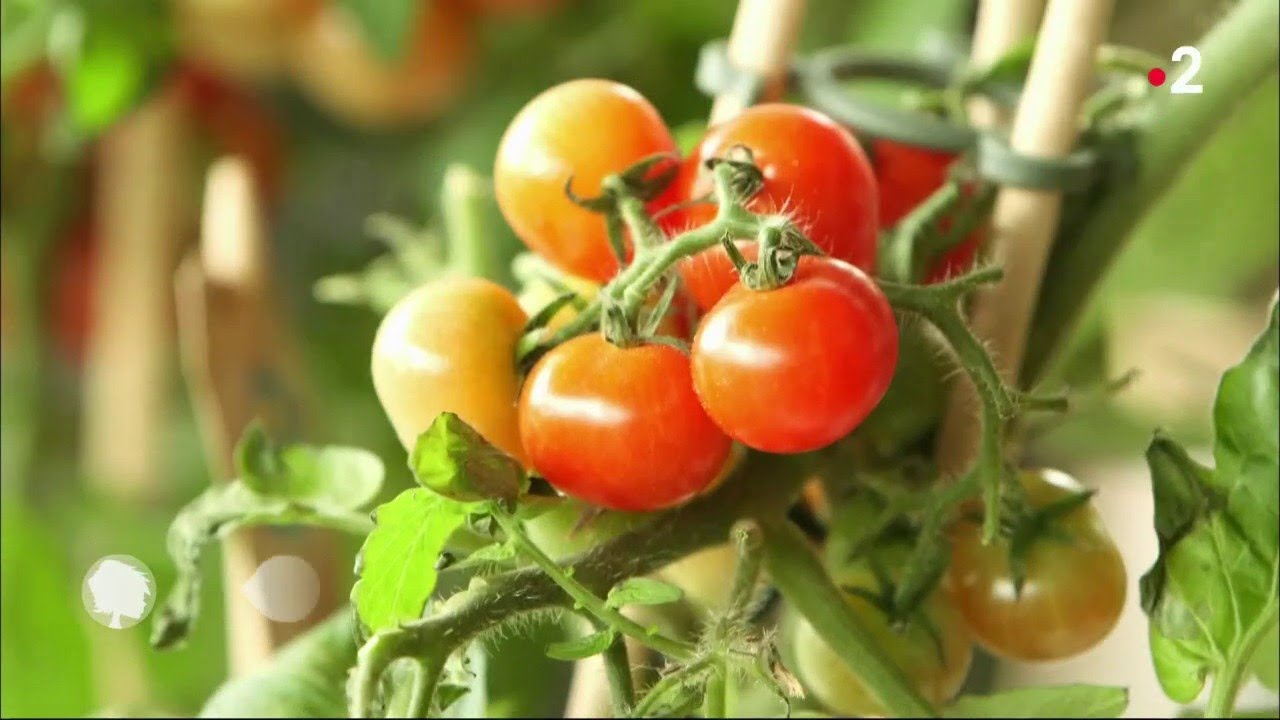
pixel 619 427
pixel 796 368
pixel 1074 588
pixel 584 129
pixel 813 169
pixel 907 176
pixel 236 123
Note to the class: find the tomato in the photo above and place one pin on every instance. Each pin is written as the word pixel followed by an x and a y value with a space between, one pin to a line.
pixel 335 67
pixel 796 368
pixel 245 39
pixel 1074 588
pixel 584 129
pixel 619 427
pixel 236 123
pixel 450 345
pixel 936 667
pixel 908 176
pixel 706 576
pixel 558 534
pixel 814 170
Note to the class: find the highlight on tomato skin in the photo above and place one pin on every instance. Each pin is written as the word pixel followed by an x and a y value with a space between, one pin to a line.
pixel 814 171
pixel 619 427
pixel 1074 589
pixel 585 130
pixel 798 367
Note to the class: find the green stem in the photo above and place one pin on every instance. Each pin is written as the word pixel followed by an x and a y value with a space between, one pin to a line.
pixel 713 706
pixel 800 577
pixel 1226 686
pixel 473 243
pixel 426 676
pixel 617 670
pixel 1239 53
pixel 584 597
pixel 901 259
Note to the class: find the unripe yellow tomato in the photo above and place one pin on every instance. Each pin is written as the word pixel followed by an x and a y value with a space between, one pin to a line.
pixel 450 345
pixel 706 577
pixel 538 294
pixel 247 40
pixel 336 68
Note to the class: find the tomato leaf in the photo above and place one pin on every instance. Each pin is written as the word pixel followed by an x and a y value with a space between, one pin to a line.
pixel 315 476
pixel 304 680
pixel 387 24
pixel 583 647
pixel 1081 701
pixel 642 591
pixel 213 515
pixel 397 564
pixel 455 461
pixel 1266 661
pixel 1212 593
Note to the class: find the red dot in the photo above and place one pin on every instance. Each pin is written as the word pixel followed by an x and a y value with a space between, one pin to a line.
pixel 1156 77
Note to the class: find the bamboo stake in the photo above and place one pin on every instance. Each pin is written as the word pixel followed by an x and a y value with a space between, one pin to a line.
pixel 761 42
pixel 1023 221
pixel 1000 26
pixel 239 366
pixel 140 215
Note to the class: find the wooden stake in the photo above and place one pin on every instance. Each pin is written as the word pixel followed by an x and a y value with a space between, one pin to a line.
pixel 239 367
pixel 1000 26
pixel 764 34
pixel 1023 221
pixel 141 214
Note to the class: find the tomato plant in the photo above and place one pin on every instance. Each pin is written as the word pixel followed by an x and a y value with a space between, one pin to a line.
pixel 813 170
pixel 333 64
pixel 619 427
pixel 1072 579
pixel 579 131
pixel 450 346
pixel 796 368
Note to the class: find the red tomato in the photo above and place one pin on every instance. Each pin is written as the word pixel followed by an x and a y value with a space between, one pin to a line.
pixel 1074 588
pixel 236 123
pixel 907 176
pixel 584 129
pixel 619 427
pixel 796 368
pixel 814 170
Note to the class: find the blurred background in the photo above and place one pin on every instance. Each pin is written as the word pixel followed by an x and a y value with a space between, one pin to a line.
pixel 113 111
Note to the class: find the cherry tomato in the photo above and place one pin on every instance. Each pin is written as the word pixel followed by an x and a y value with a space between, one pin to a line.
pixel 450 345
pixel 813 169
pixel 796 368
pixel 907 176
pixel 619 427
pixel 334 65
pixel 584 129
pixel 706 576
pixel 236 123
pixel 245 39
pixel 935 664
pixel 1074 588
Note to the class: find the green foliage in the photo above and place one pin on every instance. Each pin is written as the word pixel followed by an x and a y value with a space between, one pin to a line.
pixel 342 478
pixel 388 25
pixel 1212 594
pixel 454 460
pixel 642 591
pixel 1081 701
pixel 583 647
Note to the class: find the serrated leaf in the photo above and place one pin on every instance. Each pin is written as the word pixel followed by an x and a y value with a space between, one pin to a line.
pixel 398 559
pixel 1080 701
pixel 583 647
pixel 454 460
pixel 642 591
pixel 387 25
pixel 213 515
pixel 1213 590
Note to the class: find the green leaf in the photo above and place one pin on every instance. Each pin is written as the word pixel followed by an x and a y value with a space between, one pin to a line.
pixel 583 647
pixel 306 679
pixel 109 76
pixel 213 515
pixel 489 555
pixel 1081 701
pixel 398 560
pixel 1266 660
pixel 1212 593
pixel 316 476
pixel 642 591
pixel 387 24
pixel 455 461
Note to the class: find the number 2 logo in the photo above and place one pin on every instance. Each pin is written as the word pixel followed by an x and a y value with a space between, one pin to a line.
pixel 1183 86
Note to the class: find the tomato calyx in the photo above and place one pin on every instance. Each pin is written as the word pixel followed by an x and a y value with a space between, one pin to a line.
pixel 1031 526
